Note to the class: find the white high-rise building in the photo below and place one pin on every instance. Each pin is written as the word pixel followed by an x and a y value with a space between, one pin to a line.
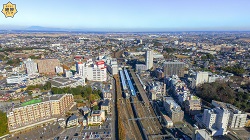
pixel 237 118
pixel 31 67
pixel 112 66
pixel 92 71
pixel 149 59
pixel 216 120
pixel 201 77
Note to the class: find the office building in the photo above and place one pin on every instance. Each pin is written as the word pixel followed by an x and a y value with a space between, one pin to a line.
pixel 201 77
pixel 16 79
pixel 174 68
pixel 38 111
pixel 92 71
pixel 149 59
pixel 237 118
pixel 47 66
pixel 216 120
pixel 173 109
pixel 31 67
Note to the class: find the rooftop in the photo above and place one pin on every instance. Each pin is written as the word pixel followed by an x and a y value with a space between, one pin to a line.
pixel 34 101
pixel 227 106
pixel 96 112
pixel 73 117
pixel 105 102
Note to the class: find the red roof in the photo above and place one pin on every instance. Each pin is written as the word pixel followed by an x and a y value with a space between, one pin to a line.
pixel 100 62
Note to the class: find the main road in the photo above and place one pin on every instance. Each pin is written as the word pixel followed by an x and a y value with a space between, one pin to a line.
pixel 114 121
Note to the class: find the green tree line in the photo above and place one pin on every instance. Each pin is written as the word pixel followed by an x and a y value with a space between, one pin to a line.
pixel 85 91
pixel 220 91
pixel 237 70
pixel 3 124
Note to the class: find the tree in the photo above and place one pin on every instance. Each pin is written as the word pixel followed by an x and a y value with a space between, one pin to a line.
pixel 237 70
pixel 35 57
pixel 30 93
pixel 47 86
pixel 170 50
pixel 96 107
pixel 220 91
pixel 14 62
pixel 3 124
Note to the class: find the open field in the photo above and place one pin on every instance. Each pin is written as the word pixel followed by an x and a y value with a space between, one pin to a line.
pixel 181 56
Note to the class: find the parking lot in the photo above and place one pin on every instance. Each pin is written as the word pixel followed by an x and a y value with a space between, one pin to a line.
pixel 86 132
pixel 39 133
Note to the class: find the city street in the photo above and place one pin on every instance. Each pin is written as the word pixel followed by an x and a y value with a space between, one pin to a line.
pixel 114 113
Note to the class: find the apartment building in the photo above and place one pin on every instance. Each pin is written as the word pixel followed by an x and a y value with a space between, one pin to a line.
pixel 201 77
pixel 149 59
pixel 216 120
pixel 193 107
pixel 47 66
pixel 173 110
pixel 174 68
pixel 38 110
pixel 31 67
pixel 237 118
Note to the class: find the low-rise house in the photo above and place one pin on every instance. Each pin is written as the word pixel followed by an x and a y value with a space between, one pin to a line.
pixel 84 110
pixel 72 121
pixel 106 106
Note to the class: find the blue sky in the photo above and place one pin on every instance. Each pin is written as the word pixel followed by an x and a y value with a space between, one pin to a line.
pixel 148 15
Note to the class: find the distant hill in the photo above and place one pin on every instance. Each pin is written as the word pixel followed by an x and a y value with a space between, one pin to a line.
pixel 40 28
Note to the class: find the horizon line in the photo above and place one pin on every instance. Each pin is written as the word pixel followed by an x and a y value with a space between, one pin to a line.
pixel 116 31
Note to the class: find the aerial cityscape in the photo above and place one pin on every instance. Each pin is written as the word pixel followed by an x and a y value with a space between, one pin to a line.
pixel 127 70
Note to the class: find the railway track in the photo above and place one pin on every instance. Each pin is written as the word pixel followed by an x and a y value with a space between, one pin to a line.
pixel 130 115
pixel 145 111
pixel 137 114
pixel 131 128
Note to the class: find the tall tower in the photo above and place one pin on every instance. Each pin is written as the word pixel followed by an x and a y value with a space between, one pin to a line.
pixel 149 59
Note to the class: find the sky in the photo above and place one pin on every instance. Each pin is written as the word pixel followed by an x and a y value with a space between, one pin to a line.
pixel 131 15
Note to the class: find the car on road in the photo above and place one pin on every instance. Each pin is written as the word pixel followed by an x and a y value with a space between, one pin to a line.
pixel 76 134
pixel 66 138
